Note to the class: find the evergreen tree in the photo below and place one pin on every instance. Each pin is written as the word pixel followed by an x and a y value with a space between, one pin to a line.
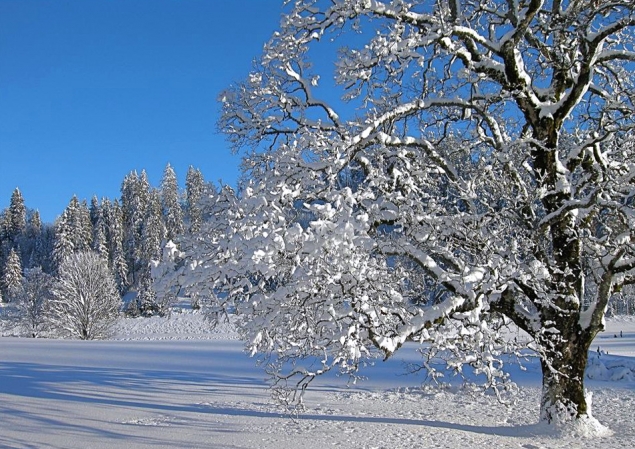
pixel 34 225
pixel 152 236
pixel 100 243
pixel 130 206
pixel 135 192
pixel 95 210
pixel 4 226
pixel 5 245
pixel 44 249
pixel 194 187
pixel 16 215
pixel 113 219
pixel 171 206
pixel 63 245
pixel 12 275
pixel 84 229
pixel 31 241
pixel 33 300
pixel 153 232
pixel 12 227
pixel 73 231
pixel 146 298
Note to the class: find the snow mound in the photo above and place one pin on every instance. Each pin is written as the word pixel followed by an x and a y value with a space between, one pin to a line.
pixel 587 427
pixel 604 367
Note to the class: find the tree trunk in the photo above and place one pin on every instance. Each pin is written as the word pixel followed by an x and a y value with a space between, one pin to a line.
pixel 563 365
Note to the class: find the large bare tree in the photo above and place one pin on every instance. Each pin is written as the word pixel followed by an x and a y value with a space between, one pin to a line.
pixel 472 163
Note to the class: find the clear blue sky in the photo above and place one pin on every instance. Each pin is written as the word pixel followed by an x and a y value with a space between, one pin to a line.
pixel 92 89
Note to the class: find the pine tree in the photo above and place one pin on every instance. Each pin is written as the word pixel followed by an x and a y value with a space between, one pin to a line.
pixel 95 210
pixel 31 241
pixel 152 235
pixel 135 192
pixel 146 298
pixel 73 231
pixel 63 245
pixel 194 187
pixel 153 231
pixel 33 300
pixel 44 249
pixel 113 219
pixel 84 228
pixel 16 215
pixel 34 224
pixel 99 237
pixel 12 275
pixel 171 206
pixel 4 226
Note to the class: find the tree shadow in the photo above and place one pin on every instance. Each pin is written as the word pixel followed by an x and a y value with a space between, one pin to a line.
pixel 138 392
pixel 100 385
pixel 134 389
pixel 522 431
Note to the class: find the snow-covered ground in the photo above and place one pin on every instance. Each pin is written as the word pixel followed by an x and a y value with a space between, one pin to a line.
pixel 173 383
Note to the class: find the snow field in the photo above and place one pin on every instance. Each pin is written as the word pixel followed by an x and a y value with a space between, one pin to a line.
pixel 148 387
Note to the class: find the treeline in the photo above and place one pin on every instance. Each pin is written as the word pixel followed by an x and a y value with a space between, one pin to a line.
pixel 127 232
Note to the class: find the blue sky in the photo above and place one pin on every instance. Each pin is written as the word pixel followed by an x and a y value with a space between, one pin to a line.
pixel 90 90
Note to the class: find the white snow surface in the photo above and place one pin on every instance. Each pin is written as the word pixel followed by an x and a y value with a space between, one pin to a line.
pixel 174 383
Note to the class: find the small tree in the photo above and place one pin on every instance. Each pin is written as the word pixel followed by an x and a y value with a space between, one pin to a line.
pixel 146 300
pixel 85 301
pixel 162 276
pixel 12 276
pixel 33 301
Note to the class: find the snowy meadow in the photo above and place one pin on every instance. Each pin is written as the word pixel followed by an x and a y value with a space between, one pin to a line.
pixel 172 382
pixel 424 172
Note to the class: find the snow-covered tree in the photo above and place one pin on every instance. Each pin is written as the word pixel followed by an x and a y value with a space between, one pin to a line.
pixel 85 302
pixel 172 212
pixel 113 219
pixel 152 236
pixel 194 188
pixel 152 233
pixel 16 215
pixel 135 195
pixel 4 226
pixel 494 145
pixel 63 244
pixel 33 301
pixel 84 239
pixel 31 243
pixel 73 231
pixel 12 276
pixel 44 249
pixel 163 271
pixel 94 210
pixel 99 229
pixel 13 229
pixel 147 303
